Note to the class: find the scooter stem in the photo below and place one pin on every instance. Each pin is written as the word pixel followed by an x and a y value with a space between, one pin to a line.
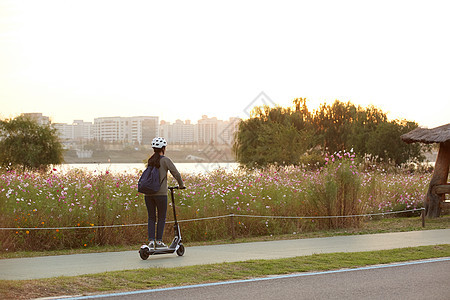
pixel 173 204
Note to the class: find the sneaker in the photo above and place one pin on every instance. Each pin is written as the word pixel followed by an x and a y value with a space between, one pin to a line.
pixel 160 244
pixel 151 245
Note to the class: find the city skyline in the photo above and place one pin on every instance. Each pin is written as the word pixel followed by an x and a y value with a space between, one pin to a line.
pixel 142 129
pixel 74 120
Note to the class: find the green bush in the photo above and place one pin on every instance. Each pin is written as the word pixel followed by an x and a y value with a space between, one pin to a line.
pixel 338 191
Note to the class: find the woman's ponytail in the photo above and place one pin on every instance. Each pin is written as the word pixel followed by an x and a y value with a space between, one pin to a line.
pixel 155 158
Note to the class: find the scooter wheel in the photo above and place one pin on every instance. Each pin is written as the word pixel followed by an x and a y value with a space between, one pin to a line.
pixel 144 253
pixel 180 250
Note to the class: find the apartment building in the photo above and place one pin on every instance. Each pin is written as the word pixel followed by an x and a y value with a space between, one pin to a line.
pixel 179 132
pixel 38 117
pixel 206 131
pixel 65 131
pixel 78 130
pixel 227 130
pixel 136 130
pixel 82 130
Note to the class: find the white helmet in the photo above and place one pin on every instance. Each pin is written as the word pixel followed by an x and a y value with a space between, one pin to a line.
pixel 159 142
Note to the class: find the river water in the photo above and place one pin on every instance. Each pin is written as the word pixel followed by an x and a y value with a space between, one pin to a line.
pixel 186 168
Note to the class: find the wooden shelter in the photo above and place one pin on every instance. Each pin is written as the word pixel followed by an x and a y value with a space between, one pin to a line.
pixel 439 186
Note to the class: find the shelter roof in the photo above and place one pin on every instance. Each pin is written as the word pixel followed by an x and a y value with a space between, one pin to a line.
pixel 439 134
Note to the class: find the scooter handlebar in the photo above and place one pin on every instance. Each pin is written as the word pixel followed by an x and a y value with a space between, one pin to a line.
pixel 176 188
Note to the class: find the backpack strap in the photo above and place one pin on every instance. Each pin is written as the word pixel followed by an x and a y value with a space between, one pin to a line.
pixel 161 181
pixel 161 156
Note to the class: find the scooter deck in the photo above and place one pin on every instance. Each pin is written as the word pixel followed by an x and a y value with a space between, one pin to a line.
pixel 161 251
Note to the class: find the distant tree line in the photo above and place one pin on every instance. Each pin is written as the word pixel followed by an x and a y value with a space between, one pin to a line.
pixel 294 134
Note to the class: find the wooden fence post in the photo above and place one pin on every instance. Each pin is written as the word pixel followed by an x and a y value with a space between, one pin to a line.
pixel 423 218
pixel 233 231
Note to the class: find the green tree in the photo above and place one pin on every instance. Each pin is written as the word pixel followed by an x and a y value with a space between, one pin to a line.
pixel 333 124
pixel 385 143
pixel 284 135
pixel 273 135
pixel 363 125
pixel 343 126
pixel 26 144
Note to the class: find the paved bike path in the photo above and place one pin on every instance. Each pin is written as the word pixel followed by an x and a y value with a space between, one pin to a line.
pixel 78 264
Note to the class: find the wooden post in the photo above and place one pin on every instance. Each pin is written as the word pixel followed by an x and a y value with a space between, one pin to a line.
pixel 422 215
pixel 233 231
pixel 433 200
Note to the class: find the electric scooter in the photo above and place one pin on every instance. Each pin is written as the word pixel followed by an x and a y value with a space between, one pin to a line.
pixel 175 246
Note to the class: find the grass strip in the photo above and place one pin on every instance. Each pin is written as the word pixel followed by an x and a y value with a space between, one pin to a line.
pixel 153 278
pixel 382 225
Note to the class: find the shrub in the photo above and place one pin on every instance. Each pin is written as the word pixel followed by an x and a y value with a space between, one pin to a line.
pixel 337 193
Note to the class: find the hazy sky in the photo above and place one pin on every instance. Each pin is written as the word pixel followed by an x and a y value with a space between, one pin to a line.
pixel 183 59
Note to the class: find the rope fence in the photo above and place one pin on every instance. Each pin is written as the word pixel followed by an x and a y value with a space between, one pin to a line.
pixel 226 216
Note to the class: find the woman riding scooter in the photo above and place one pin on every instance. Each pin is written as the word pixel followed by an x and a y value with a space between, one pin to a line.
pixel 158 202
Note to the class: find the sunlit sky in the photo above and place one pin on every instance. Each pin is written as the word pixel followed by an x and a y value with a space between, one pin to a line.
pixel 184 59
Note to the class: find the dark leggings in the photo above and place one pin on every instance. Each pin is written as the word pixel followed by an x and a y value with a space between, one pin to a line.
pixel 154 203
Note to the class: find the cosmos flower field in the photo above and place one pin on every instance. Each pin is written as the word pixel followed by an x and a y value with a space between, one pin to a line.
pixel 60 210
